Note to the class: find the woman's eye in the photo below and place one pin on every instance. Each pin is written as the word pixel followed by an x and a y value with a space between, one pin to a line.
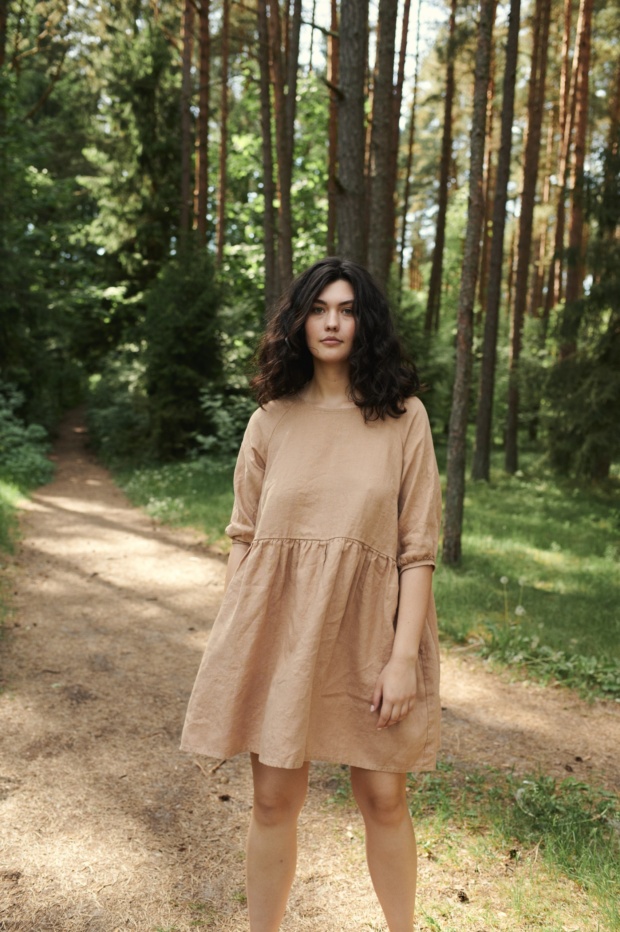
pixel 348 311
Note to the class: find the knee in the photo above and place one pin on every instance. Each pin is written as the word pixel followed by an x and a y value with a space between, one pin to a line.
pixel 382 808
pixel 276 807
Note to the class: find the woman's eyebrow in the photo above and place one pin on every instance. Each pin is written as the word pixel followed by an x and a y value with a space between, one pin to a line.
pixel 341 303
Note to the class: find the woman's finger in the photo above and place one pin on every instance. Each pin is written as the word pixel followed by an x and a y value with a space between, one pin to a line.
pixel 385 714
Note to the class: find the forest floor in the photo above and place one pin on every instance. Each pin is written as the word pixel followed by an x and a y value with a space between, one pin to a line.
pixel 105 825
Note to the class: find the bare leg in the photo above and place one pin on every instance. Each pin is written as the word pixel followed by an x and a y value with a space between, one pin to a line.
pixel 390 843
pixel 272 842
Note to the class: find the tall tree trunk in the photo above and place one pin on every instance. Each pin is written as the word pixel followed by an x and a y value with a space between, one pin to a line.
pixel 410 148
pixel 536 96
pixel 433 305
pixel 4 14
pixel 284 63
pixel 397 106
pixel 568 100
pixel 185 219
pixel 574 273
pixel 311 50
pixel 540 246
pixel 221 212
pixel 272 278
pixel 201 188
pixel 481 465
pixel 489 183
pixel 455 470
pixel 333 73
pixel 381 186
pixel 351 210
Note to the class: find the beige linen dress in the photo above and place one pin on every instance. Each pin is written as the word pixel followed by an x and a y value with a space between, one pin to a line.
pixel 333 508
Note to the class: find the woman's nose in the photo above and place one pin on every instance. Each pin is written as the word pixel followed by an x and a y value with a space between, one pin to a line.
pixel 331 319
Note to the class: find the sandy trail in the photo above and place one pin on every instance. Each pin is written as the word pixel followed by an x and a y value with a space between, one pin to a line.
pixel 104 824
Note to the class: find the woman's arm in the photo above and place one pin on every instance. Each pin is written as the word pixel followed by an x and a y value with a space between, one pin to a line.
pixel 236 555
pixel 396 687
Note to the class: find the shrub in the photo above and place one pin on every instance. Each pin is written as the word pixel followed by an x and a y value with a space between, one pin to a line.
pixel 117 415
pixel 23 447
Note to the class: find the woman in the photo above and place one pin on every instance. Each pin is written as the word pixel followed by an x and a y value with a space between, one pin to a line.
pixel 325 647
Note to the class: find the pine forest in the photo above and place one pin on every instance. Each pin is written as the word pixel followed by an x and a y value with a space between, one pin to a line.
pixel 167 168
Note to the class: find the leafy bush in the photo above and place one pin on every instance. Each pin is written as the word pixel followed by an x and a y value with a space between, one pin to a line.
pixel 228 415
pixel 23 447
pixel 182 351
pixel 593 676
pixel 117 414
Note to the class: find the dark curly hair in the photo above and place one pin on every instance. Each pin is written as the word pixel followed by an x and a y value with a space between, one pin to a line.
pixel 380 377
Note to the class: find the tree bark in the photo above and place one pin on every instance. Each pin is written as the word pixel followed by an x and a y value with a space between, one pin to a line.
pixel 381 183
pixel 540 246
pixel 433 305
pixel 284 62
pixel 333 77
pixel 484 416
pixel 272 278
pixel 489 183
pixel 455 470
pixel 221 212
pixel 186 121
pixel 350 201
pixel 395 135
pixel 536 96
pixel 4 14
pixel 574 272
pixel 410 149
pixel 568 100
pixel 201 188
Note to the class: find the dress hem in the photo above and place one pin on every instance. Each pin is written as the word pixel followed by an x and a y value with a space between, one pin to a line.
pixel 427 763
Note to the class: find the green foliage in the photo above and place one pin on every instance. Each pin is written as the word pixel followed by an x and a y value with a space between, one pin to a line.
pixel 561 541
pixel 182 352
pixel 228 417
pixel 583 390
pixel 196 494
pixel 573 826
pixel 23 461
pixel 117 412
pixel 592 676
pixel 23 447
pixel 133 153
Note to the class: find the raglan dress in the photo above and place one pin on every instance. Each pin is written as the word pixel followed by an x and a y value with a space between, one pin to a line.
pixel 333 508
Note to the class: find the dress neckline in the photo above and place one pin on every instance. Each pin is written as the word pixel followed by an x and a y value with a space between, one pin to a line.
pixel 319 407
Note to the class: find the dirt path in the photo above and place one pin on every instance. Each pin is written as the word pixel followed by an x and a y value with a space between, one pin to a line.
pixel 104 824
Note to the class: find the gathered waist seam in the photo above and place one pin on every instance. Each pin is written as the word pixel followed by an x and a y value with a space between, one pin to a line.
pixel 324 540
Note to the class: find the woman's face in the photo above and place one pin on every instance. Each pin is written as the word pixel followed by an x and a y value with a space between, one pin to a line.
pixel 330 325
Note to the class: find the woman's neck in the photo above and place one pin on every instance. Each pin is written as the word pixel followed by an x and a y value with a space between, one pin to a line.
pixel 329 386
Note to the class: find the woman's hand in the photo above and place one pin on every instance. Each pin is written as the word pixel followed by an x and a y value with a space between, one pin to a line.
pixel 395 691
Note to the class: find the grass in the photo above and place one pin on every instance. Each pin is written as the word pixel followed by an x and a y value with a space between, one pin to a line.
pixel 539 579
pixel 197 493
pixel 527 833
pixel 555 544
pixel 10 495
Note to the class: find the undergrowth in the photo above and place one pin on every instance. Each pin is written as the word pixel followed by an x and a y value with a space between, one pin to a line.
pixel 570 827
pixel 196 493
pixel 537 588
pixel 23 465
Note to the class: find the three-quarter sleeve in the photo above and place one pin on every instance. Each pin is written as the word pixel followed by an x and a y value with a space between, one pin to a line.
pixel 419 500
pixel 248 483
